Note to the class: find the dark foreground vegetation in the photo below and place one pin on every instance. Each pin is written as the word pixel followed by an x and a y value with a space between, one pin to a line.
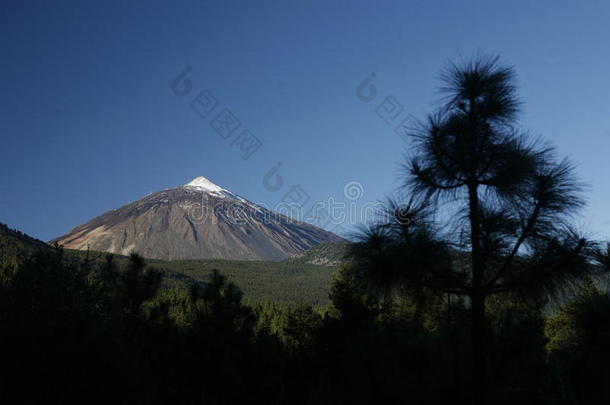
pixel 474 289
pixel 73 332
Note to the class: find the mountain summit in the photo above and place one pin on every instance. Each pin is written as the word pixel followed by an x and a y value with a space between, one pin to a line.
pixel 202 184
pixel 199 220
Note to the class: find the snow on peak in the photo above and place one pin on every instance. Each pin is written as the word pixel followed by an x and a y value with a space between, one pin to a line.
pixel 204 184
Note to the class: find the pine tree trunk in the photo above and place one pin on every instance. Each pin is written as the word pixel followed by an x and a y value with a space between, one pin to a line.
pixel 479 372
pixel 477 297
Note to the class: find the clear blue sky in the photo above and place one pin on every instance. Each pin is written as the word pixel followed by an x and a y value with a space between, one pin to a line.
pixel 90 122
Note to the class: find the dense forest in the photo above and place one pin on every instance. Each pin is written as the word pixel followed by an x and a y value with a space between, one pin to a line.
pixel 74 332
pixel 474 289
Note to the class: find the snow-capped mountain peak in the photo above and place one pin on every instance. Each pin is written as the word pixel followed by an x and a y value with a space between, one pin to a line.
pixel 182 223
pixel 204 184
pixel 201 184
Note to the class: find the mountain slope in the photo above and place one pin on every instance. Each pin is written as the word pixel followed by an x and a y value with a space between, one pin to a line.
pixel 195 221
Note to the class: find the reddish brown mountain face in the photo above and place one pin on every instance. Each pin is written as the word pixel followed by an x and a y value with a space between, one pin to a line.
pixel 199 220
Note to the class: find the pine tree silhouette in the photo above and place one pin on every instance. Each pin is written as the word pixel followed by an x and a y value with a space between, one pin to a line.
pixel 489 209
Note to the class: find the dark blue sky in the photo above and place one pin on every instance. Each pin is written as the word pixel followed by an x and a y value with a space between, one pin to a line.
pixel 90 121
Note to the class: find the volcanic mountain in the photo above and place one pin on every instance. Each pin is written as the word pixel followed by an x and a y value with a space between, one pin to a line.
pixel 199 220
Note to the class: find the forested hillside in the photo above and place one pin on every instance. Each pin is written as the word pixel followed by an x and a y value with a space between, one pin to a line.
pixel 288 282
pixel 98 332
